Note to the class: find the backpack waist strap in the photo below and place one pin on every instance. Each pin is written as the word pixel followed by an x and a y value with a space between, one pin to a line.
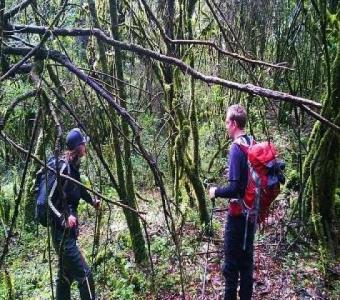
pixel 235 207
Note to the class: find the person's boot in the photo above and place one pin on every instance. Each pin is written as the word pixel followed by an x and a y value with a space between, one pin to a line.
pixel 63 288
pixel 86 288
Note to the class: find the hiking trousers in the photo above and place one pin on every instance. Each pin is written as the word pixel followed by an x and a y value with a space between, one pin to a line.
pixel 239 263
pixel 72 266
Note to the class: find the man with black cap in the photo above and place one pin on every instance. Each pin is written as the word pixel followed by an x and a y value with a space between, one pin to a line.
pixel 64 228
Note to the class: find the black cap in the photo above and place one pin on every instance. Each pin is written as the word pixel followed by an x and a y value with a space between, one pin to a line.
pixel 75 138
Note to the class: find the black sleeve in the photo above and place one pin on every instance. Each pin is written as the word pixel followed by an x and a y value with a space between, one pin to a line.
pixel 59 221
pixel 232 190
pixel 85 195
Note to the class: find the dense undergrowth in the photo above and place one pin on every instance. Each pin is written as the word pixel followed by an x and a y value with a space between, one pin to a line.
pixel 286 266
pixel 169 106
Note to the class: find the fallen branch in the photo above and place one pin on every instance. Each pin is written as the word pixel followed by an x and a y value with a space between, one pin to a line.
pixel 204 253
pixel 320 118
pixel 248 88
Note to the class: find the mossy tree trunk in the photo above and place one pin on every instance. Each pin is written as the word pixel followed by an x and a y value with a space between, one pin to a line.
pixel 183 163
pixel 104 64
pixel 29 204
pixel 2 11
pixel 127 185
pixel 125 177
pixel 193 166
pixel 169 91
pixel 322 166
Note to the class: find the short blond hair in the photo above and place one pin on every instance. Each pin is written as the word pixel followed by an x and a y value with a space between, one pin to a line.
pixel 238 114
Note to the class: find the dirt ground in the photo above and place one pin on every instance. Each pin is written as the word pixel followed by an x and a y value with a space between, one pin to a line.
pixel 283 269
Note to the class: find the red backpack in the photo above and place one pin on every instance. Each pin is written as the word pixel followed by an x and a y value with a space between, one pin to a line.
pixel 264 178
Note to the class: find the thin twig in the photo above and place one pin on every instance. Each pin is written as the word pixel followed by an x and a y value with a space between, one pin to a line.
pixel 108 75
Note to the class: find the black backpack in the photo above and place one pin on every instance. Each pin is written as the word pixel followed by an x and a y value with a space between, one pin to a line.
pixel 45 186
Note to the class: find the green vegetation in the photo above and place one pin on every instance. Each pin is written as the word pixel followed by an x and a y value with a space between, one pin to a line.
pixel 158 136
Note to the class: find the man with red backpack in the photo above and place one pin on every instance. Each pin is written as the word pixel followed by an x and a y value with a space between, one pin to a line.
pixel 238 262
pixel 254 182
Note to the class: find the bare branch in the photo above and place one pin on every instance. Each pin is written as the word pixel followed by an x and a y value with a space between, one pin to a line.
pixel 321 118
pixel 231 54
pixel 248 88
pixel 114 78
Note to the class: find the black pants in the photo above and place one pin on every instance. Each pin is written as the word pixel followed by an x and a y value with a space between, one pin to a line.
pixel 238 262
pixel 72 266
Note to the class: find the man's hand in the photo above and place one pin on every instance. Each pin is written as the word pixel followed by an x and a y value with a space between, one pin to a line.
pixel 71 221
pixel 96 203
pixel 212 192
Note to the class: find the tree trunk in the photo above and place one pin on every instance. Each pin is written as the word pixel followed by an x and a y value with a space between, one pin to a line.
pixel 124 177
pixel 322 168
pixel 194 168
pixel 138 242
pixel 2 11
pixel 169 92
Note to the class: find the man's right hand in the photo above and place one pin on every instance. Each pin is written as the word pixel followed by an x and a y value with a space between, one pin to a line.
pixel 212 192
pixel 96 203
pixel 71 221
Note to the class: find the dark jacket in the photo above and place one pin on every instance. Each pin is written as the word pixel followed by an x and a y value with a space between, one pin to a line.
pixel 67 195
pixel 238 173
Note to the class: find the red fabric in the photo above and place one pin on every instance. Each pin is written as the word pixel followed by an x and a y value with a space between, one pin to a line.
pixel 261 154
pixel 267 197
pixel 235 209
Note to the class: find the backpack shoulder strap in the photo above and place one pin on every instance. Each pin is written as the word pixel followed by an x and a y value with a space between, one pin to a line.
pixel 244 142
pixel 65 162
pixel 50 203
pixel 249 140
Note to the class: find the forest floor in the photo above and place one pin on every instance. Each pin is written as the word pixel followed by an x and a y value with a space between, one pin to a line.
pixel 285 267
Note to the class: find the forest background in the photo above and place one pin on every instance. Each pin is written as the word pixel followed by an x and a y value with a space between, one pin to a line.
pixel 149 83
